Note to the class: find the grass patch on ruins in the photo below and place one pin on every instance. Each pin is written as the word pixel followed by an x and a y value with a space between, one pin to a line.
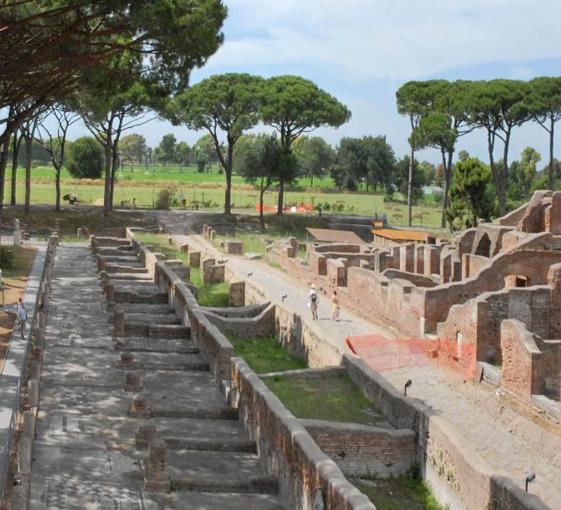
pixel 407 491
pixel 332 397
pixel 252 243
pixel 265 355
pixel 215 295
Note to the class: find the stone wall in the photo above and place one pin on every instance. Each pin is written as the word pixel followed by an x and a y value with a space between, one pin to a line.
pixel 531 366
pixel 260 325
pixel 361 450
pixel 477 323
pixel 458 476
pixel 308 478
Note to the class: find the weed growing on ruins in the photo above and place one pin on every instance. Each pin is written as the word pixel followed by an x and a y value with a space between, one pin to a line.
pixel 216 295
pixel 331 397
pixel 265 355
pixel 407 491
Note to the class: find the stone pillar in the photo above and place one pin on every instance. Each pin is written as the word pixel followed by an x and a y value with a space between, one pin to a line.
pixel 420 259
pixel 407 258
pixel 118 323
pixel 156 477
pixel 237 294
pixel 139 406
pixel 184 248
pixel 195 259
pixel 432 260
pixel 144 436
pixel 446 268
pixel 133 383
pixel 127 361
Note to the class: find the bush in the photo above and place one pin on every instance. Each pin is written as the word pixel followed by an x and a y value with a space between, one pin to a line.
pixel 7 258
pixel 85 158
pixel 166 198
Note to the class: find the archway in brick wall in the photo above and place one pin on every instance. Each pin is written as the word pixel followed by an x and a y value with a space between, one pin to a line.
pixel 484 246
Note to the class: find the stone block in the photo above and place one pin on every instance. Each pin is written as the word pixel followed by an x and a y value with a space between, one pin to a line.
pixel 337 272
pixel 407 258
pixel 195 259
pixel 184 248
pixel 237 293
pixel 234 247
pixel 318 263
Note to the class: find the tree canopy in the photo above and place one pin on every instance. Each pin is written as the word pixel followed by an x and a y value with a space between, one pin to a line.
pixel 225 103
pixel 292 106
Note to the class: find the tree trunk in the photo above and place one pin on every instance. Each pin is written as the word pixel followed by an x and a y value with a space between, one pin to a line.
pixel 280 204
pixel 495 172
pixel 114 167
pixel 28 161
pixel 447 181
pixel 15 154
pixel 410 187
pixel 228 171
pixel 551 177
pixel 503 176
pixel 261 205
pixel 108 164
pixel 3 163
pixel 57 187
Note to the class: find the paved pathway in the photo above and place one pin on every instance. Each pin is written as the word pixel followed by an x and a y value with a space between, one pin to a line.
pixel 91 444
pixel 511 444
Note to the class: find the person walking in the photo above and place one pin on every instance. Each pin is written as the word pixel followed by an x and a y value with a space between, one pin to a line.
pixel 335 307
pixel 22 316
pixel 314 302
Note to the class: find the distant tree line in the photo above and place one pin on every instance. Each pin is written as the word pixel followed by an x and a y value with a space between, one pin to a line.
pixel 440 112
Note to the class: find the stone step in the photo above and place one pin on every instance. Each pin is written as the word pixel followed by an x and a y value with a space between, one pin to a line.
pixel 146 309
pixel 211 435
pixel 137 268
pixel 123 260
pixel 123 295
pixel 169 331
pixel 162 345
pixel 106 241
pixel 151 318
pixel 224 501
pixel 138 277
pixel 105 251
pixel 166 362
pixel 211 471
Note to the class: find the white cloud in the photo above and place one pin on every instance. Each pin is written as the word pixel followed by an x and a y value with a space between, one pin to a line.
pixel 388 39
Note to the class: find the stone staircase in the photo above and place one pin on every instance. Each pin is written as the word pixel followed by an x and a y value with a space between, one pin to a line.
pixel 134 421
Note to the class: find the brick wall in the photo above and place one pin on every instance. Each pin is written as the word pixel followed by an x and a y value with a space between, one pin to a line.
pixel 360 450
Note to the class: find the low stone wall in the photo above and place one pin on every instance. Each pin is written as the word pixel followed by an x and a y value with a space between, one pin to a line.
pixel 458 476
pixel 19 380
pixel 261 325
pixel 308 478
pixel 361 450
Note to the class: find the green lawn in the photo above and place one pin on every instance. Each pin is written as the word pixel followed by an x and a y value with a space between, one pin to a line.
pixel 208 188
pixel 332 397
pixel 404 492
pixel 265 355
pixel 216 295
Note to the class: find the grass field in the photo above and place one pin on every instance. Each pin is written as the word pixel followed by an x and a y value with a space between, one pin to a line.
pixel 207 190
pixel 332 398
pixel 407 491
pixel 265 355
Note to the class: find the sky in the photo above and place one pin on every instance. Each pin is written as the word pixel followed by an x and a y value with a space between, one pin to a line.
pixel 362 51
